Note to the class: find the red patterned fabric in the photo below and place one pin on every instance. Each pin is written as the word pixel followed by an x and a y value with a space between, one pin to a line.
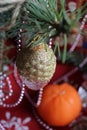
pixel 21 117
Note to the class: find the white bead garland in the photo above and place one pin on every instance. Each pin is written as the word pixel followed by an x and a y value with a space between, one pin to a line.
pixel 1 80
pixel 4 97
pixel 18 101
pixel 50 43
pixel 79 35
pixel 19 83
pixel 47 127
pixel 19 41
pixel 39 97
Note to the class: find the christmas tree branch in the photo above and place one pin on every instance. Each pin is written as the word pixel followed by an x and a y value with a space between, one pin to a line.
pixel 6 8
pixel 10 1
pixel 15 13
pixel 65 49
pixel 48 19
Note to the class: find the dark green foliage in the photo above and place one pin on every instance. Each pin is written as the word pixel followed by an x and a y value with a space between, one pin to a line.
pixel 75 58
pixel 45 20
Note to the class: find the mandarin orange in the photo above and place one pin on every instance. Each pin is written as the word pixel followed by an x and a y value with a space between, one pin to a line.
pixel 60 104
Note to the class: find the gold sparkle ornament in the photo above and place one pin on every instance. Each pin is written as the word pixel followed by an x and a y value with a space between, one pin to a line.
pixel 36 65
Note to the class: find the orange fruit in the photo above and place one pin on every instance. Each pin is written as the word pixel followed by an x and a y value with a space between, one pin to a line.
pixel 60 104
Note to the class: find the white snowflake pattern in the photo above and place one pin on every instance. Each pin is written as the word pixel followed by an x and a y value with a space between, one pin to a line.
pixel 20 125
pixel 17 122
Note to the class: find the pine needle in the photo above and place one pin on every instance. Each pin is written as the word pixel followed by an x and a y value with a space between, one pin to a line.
pixel 65 49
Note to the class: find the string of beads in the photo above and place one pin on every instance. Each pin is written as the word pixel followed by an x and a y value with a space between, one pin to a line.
pixel 79 35
pixel 20 85
pixel 47 127
pixel 18 101
pixel 4 97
